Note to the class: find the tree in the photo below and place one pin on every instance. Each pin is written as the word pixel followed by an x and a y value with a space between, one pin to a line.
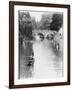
pixel 25 25
pixel 57 21
pixel 34 23
pixel 45 21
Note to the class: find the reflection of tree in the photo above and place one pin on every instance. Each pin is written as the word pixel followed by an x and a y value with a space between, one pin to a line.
pixel 57 21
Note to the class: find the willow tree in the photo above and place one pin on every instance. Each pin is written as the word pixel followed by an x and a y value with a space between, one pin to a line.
pixel 25 25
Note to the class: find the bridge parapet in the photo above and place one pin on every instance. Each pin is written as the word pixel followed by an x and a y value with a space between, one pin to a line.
pixel 44 32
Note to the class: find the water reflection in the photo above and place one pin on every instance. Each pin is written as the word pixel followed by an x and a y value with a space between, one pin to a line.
pixel 47 63
pixel 39 59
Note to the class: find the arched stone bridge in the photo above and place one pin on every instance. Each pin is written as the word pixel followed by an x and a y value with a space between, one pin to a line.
pixel 45 33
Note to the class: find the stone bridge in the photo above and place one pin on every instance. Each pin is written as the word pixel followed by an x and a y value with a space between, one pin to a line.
pixel 44 32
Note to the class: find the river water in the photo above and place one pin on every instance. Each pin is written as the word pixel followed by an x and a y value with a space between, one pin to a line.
pixel 47 64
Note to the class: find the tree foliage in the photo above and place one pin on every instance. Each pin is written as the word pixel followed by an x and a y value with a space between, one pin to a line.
pixel 34 23
pixel 25 25
pixel 45 21
pixel 57 21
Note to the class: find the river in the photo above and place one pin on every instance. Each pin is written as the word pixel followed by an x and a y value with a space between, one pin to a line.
pixel 47 64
